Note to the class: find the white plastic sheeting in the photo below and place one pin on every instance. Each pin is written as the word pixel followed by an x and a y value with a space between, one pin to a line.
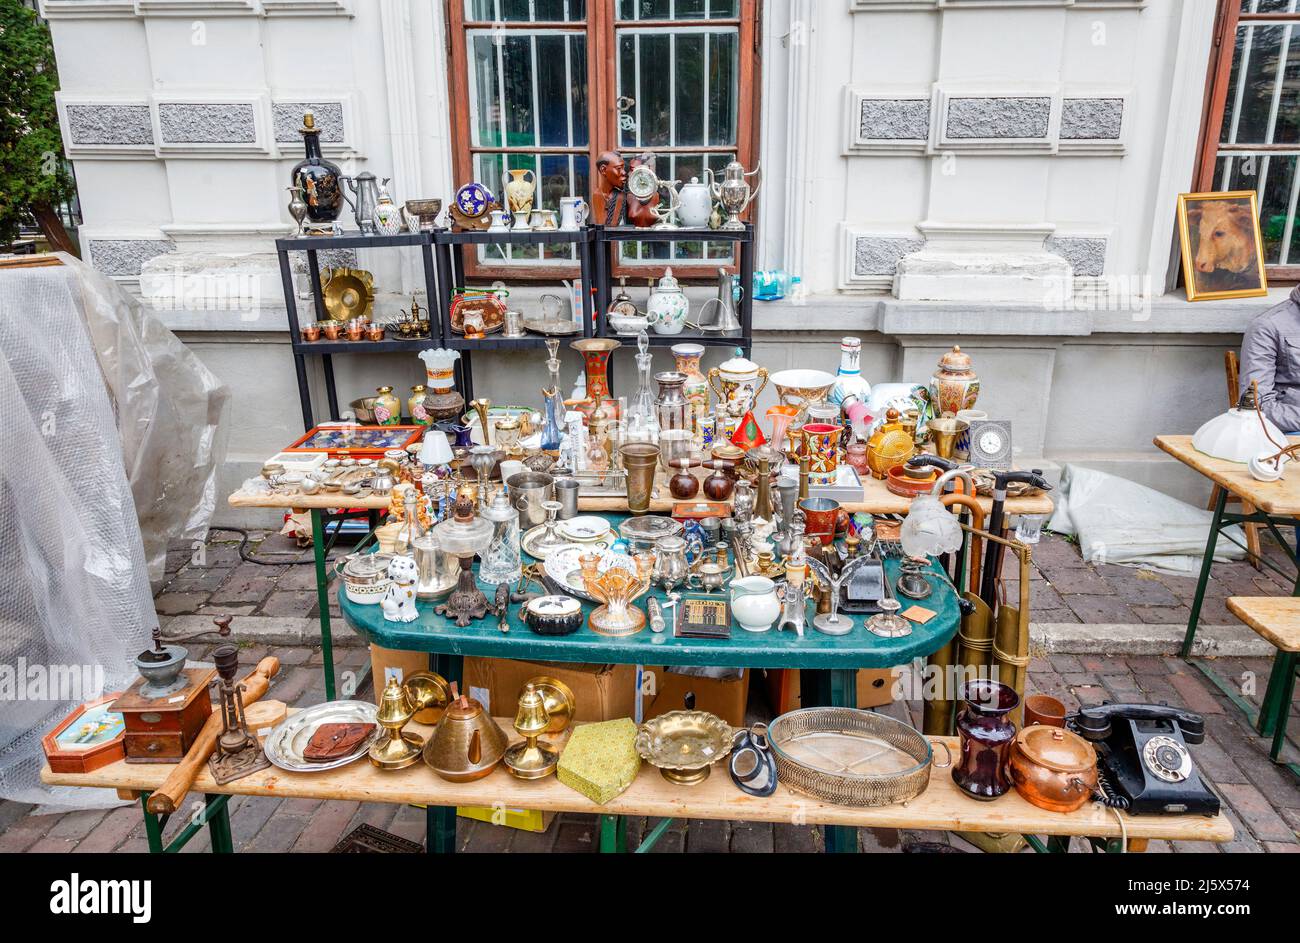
pixel 108 448
pixel 1120 521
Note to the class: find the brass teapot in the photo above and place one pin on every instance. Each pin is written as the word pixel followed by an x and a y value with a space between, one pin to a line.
pixel 467 744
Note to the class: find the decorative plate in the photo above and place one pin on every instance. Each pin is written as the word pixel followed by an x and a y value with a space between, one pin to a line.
pixel 534 534
pixel 473 199
pixel 284 744
pixel 563 567
pixel 583 529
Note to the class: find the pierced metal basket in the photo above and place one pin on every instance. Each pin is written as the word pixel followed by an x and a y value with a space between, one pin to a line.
pixel 850 757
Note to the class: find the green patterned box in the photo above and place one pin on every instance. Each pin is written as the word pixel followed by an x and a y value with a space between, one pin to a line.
pixel 599 760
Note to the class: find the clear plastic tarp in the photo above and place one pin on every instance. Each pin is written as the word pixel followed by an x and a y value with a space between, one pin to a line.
pixel 1121 521
pixel 108 449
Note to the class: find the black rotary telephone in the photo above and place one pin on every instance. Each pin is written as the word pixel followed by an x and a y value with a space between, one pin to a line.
pixel 1144 765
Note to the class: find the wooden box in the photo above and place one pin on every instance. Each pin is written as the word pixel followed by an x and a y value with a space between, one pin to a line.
pixel 98 748
pixel 161 730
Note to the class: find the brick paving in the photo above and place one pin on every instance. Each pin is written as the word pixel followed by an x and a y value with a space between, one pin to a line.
pixel 1262 799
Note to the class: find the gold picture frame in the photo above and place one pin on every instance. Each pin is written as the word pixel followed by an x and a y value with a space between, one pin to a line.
pixel 1232 266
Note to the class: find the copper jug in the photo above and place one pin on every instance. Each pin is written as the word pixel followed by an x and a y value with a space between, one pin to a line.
pixel 467 744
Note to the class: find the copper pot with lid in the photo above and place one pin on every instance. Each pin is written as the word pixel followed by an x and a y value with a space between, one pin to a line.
pixel 1053 768
pixel 467 743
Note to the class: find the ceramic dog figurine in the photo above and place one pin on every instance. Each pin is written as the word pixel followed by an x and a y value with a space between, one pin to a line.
pixel 399 602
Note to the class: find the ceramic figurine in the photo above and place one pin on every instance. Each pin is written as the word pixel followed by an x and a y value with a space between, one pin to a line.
pixel 398 603
pixel 318 178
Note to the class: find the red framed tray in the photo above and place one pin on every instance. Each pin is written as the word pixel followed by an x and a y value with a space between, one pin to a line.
pixel 66 756
pixel 356 441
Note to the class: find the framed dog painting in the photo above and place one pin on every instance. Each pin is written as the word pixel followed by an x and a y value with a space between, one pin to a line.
pixel 1223 252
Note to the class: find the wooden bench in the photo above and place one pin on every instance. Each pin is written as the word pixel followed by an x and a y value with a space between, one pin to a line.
pixel 1277 620
pixel 941 807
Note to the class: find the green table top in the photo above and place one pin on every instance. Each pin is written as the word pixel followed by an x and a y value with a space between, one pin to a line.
pixel 773 649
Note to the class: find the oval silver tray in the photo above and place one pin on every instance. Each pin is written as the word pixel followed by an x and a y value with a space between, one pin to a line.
pixel 284 744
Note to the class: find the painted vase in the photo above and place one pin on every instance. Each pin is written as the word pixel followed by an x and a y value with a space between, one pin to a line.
pixel 387 215
pixel 822 446
pixel 415 404
pixel 687 359
pixel 954 385
pixel 319 180
pixel 388 408
pixel 519 190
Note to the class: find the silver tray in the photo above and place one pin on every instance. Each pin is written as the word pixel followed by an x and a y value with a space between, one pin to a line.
pixel 850 757
pixel 560 328
pixel 284 744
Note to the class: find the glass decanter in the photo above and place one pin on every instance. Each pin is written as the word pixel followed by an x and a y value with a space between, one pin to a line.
pixel 553 402
pixel 502 558
pixel 642 415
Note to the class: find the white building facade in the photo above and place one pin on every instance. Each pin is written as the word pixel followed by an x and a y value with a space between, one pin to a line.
pixel 1001 174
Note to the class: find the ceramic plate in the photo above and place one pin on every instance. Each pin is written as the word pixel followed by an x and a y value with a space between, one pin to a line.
pixel 563 567
pixel 284 744
pixel 583 529
pixel 534 534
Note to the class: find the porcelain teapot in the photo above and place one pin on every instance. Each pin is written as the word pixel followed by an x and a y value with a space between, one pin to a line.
pixel 668 306
pixel 695 204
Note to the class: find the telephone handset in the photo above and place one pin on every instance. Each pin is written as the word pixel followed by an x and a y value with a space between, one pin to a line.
pixel 1143 760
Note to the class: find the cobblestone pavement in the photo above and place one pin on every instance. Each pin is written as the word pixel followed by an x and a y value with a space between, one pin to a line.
pixel 1263 800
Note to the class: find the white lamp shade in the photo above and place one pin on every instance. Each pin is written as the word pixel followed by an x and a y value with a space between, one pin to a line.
pixel 929 528
pixel 1238 436
pixel 435 449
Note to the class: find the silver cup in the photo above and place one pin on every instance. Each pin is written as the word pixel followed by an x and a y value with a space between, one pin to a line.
pixel 527 491
pixel 566 492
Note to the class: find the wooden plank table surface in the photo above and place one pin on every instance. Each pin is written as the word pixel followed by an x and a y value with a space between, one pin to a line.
pixel 1280 498
pixel 876 499
pixel 941 807
pixel 1275 618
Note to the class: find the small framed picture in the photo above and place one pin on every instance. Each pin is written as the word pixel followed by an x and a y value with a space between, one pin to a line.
pixel 1223 251
pixel 88 738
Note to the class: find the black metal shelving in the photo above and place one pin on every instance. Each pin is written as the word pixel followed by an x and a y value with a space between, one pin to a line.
pixel 326 349
pixel 450 263
pixel 607 239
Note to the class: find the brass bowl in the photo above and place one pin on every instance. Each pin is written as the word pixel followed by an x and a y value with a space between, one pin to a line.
pixel 684 744
pixel 364 410
pixel 347 293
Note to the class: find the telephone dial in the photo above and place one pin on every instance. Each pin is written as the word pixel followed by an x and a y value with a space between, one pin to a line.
pixel 1144 766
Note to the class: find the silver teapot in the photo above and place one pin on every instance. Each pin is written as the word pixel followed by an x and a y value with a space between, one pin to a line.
pixel 366 189
pixel 733 192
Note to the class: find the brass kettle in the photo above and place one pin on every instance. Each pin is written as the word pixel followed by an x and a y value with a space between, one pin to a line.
pixel 467 744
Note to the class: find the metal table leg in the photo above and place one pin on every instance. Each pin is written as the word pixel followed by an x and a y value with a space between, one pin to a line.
pixel 835 688
pixel 1206 562
pixel 215 815
pixel 440 821
pixel 323 601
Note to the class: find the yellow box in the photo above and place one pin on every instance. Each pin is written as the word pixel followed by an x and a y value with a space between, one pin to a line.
pixel 528 820
pixel 600 760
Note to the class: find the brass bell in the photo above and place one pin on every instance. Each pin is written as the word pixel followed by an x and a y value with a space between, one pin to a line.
pixel 531 759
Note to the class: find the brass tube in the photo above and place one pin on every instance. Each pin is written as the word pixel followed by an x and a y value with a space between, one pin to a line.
pixel 977 522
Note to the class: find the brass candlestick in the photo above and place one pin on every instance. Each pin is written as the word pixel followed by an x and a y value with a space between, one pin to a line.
pixel 481 406
pixel 531 759
pixel 396 749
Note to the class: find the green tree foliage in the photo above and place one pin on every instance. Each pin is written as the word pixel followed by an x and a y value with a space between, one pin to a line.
pixel 33 175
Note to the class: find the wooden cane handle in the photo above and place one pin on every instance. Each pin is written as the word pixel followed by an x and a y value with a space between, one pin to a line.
pixel 167 798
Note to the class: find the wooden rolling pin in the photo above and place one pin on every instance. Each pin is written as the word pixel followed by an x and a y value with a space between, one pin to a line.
pixel 166 798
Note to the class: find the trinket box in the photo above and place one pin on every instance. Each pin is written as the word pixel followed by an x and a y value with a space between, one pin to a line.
pixel 600 760
pixel 85 740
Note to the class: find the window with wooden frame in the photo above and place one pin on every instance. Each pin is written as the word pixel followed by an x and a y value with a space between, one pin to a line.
pixel 1250 139
pixel 549 85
